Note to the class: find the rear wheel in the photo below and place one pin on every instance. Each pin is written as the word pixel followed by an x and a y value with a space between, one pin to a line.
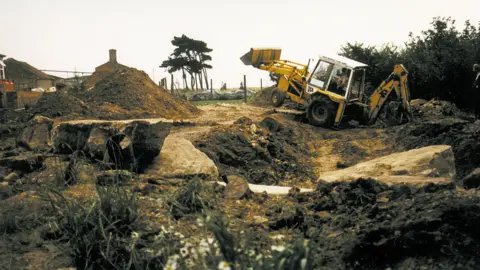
pixel 321 112
pixel 278 97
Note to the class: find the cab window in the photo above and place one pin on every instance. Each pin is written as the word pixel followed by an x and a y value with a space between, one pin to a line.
pixel 321 74
pixel 357 82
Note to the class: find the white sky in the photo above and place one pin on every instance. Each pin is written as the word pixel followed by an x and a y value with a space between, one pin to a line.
pixel 68 34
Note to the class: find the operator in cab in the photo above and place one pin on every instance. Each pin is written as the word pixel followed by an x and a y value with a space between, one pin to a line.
pixel 339 81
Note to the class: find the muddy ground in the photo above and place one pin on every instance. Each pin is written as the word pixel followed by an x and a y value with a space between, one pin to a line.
pixel 363 224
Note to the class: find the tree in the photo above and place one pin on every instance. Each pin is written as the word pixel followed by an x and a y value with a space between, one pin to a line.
pixel 190 56
pixel 439 61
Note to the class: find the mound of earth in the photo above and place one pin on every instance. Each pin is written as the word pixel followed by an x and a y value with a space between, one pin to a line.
pixel 265 153
pixel 59 103
pixel 22 71
pixel 262 97
pixel 369 225
pixel 130 93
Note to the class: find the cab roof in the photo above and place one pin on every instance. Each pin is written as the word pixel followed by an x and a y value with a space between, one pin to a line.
pixel 342 61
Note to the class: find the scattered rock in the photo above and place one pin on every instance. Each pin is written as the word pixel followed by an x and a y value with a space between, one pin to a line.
pixel 244 121
pixel 114 178
pixel 25 163
pixel 12 177
pixel 237 187
pixel 270 124
pixel 472 180
pixel 436 161
pixel 36 135
pixel 180 159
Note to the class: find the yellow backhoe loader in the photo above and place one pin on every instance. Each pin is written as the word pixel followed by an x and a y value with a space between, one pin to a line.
pixel 334 88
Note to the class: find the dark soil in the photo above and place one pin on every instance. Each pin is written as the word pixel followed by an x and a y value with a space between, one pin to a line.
pixel 60 103
pixel 369 225
pixel 263 97
pixel 265 153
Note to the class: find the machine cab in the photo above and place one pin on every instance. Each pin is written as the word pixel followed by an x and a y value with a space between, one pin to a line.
pixel 342 79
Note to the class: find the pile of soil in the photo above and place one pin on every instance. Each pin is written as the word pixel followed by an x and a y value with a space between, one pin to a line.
pixel 369 225
pixel 59 103
pixel 265 152
pixel 130 93
pixel 440 122
pixel 21 71
pixel 262 97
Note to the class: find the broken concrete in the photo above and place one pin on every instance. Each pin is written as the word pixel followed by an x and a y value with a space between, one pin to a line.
pixel 180 159
pixel 36 135
pixel 128 144
pixel 428 164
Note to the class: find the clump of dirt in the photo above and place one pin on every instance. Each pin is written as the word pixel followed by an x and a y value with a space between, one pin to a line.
pixel 262 97
pixel 265 153
pixel 59 103
pixel 130 93
pixel 435 109
pixel 369 225
pixel 441 122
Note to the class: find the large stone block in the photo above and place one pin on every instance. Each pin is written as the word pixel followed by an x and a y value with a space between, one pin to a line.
pixel 36 135
pixel 428 164
pixel 180 159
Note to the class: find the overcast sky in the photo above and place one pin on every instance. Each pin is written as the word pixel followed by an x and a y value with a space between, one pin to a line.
pixel 68 35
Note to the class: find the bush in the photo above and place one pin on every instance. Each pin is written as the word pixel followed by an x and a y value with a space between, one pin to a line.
pixel 194 197
pixel 99 232
pixel 439 61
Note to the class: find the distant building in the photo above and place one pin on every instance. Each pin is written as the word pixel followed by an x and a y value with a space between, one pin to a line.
pixel 103 70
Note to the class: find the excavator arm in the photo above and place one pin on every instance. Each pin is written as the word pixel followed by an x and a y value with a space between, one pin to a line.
pixel 397 81
pixel 268 59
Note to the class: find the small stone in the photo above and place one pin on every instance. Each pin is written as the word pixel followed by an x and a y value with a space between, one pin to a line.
pixel 12 177
pixel 237 187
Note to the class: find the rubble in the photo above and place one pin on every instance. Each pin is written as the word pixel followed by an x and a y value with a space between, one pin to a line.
pixel 129 144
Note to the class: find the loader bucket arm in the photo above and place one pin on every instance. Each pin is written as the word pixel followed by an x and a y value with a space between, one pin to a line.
pixel 261 56
pixel 397 81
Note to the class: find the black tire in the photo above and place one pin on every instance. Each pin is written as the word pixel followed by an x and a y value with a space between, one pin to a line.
pixel 321 113
pixel 278 97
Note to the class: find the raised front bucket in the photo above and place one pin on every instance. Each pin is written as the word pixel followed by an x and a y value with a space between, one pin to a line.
pixel 258 56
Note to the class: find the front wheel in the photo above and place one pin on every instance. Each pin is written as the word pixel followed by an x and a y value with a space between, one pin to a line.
pixel 278 97
pixel 321 113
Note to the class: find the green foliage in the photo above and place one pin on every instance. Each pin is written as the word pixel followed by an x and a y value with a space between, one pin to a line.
pixel 439 61
pixel 194 197
pixel 99 231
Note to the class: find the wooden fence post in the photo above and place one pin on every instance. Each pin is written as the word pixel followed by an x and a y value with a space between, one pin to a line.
pixel 171 82
pixel 245 87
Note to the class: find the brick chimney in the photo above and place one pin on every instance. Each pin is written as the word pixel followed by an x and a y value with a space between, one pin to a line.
pixel 113 56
